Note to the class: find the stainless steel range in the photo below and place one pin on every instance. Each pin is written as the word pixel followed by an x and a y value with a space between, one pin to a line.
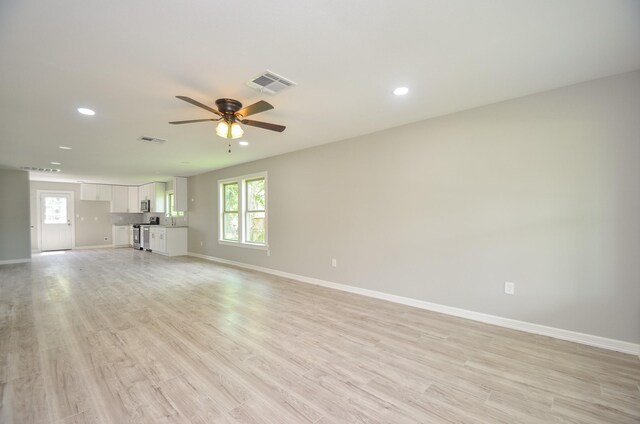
pixel 141 234
pixel 136 237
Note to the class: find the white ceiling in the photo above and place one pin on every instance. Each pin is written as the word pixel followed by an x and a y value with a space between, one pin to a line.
pixel 128 60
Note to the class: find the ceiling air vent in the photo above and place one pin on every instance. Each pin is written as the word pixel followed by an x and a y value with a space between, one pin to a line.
pixel 270 82
pixel 37 169
pixel 152 140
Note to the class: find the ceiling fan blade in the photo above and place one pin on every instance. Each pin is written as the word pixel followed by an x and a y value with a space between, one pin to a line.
pixel 264 125
pixel 193 120
pixel 197 103
pixel 257 107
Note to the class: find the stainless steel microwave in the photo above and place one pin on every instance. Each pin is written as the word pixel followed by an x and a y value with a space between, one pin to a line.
pixel 145 206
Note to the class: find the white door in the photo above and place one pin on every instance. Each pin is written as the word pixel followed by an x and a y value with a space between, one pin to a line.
pixel 55 221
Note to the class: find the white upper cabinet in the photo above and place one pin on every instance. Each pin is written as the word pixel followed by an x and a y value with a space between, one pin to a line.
pixel 143 193
pixel 88 191
pixel 154 192
pixel 180 196
pixel 103 193
pixel 127 199
pixel 158 191
pixel 100 192
pixel 133 199
pixel 119 198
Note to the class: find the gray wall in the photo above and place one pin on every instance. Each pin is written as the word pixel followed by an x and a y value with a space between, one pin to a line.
pixel 543 191
pixel 93 220
pixel 14 215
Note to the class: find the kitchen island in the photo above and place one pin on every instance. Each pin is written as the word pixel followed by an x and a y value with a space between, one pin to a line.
pixel 168 240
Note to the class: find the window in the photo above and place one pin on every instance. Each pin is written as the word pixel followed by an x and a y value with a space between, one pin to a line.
pixel 55 210
pixel 243 210
pixel 171 205
pixel 230 228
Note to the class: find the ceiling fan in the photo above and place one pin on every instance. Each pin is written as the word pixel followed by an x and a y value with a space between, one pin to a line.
pixel 231 112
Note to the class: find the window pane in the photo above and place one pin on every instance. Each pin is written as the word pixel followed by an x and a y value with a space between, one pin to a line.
pixel 55 210
pixel 171 201
pixel 256 227
pixel 230 225
pixel 231 197
pixel 255 195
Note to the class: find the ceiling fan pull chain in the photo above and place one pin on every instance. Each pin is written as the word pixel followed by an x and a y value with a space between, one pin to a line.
pixel 229 146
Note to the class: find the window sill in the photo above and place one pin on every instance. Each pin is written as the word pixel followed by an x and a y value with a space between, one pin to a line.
pixel 246 245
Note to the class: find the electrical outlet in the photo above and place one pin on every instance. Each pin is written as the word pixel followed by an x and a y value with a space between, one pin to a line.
pixel 509 287
pixel 268 252
pixel 334 262
pixel 201 243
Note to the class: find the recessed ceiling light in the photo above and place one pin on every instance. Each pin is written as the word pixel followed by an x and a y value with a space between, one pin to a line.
pixel 85 111
pixel 55 163
pixel 243 143
pixel 400 91
pixel 64 148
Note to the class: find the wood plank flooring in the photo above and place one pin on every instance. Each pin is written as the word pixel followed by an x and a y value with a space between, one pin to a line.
pixel 117 336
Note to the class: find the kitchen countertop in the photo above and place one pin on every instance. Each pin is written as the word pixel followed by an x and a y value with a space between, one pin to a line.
pixel 151 225
pixel 164 226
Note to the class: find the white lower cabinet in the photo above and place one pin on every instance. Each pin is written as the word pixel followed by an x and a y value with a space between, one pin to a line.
pixel 121 235
pixel 158 239
pixel 169 241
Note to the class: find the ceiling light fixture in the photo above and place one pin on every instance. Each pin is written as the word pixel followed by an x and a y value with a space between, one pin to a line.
pixel 400 91
pixel 243 143
pixel 55 163
pixel 85 111
pixel 230 130
pixel 64 148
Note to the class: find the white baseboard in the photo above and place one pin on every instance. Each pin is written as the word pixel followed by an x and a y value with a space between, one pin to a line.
pixel 558 333
pixel 100 246
pixel 15 261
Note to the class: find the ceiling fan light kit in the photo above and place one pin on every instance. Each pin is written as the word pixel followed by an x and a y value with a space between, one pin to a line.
pixel 229 130
pixel 231 112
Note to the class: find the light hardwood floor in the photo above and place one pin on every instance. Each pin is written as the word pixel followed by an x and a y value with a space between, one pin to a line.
pixel 117 336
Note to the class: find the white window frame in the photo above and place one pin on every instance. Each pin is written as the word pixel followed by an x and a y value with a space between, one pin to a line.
pixel 168 194
pixel 242 211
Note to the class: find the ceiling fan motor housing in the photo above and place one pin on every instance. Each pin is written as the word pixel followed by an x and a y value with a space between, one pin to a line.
pixel 228 106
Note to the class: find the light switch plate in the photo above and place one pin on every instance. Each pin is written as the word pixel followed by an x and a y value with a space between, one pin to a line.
pixel 509 287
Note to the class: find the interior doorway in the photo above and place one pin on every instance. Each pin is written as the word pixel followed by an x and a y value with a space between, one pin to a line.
pixel 56 220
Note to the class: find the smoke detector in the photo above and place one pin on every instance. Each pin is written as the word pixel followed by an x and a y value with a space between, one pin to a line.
pixel 270 82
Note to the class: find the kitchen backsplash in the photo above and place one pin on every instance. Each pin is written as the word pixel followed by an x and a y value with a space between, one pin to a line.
pixel 177 221
pixel 140 218
pixel 126 218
